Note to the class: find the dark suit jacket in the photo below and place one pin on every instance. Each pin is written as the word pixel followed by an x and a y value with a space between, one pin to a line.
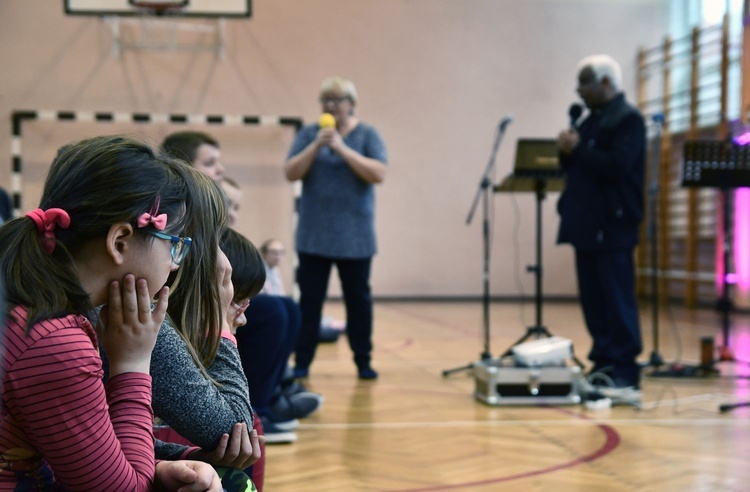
pixel 602 205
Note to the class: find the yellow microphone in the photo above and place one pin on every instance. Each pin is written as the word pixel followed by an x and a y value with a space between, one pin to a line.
pixel 327 120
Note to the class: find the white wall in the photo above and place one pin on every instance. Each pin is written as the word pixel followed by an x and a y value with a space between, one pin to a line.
pixel 435 76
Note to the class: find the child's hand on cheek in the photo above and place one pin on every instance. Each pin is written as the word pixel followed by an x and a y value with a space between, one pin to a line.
pixel 130 334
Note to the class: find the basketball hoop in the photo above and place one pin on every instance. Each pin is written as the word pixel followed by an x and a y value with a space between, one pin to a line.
pixel 165 25
pixel 159 7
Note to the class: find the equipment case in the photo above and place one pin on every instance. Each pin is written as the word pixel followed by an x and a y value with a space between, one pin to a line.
pixel 498 384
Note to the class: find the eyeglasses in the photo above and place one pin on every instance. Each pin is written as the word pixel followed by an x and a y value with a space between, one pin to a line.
pixel 333 100
pixel 241 307
pixel 180 245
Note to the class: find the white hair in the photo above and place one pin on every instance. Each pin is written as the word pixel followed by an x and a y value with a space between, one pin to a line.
pixel 603 66
pixel 340 84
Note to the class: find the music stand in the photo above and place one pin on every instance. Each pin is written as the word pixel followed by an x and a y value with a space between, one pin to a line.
pixel 537 170
pixel 726 166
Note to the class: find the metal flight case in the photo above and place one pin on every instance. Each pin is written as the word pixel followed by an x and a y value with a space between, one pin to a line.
pixel 498 384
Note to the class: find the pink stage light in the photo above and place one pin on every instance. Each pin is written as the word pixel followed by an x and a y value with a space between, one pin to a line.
pixel 719 250
pixel 742 237
pixel 741 276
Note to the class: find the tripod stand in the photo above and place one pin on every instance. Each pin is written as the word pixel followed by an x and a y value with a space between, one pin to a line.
pixel 725 407
pixel 655 360
pixel 484 191
pixel 539 184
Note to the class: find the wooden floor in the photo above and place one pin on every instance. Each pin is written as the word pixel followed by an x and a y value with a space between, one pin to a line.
pixel 413 430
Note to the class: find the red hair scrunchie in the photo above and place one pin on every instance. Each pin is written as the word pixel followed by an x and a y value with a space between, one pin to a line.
pixel 46 222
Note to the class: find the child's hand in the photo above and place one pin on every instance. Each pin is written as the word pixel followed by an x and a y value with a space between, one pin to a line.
pixel 130 334
pixel 186 476
pixel 226 289
pixel 240 450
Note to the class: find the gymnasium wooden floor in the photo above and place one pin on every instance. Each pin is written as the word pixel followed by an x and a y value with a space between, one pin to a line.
pixel 413 430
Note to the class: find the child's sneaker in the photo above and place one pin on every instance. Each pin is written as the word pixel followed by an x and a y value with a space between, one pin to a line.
pixel 276 435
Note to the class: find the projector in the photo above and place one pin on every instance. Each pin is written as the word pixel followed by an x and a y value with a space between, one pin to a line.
pixel 545 352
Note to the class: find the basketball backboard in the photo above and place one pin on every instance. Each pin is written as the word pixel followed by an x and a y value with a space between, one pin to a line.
pixel 186 8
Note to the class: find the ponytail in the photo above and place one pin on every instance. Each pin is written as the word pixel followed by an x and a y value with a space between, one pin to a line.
pixel 47 284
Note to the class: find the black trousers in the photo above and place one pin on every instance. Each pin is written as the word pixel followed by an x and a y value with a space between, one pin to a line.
pixel 606 284
pixel 313 274
pixel 265 344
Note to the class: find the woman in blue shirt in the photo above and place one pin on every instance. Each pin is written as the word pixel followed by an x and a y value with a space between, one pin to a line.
pixel 339 166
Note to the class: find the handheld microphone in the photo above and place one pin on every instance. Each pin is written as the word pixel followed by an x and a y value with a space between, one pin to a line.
pixel 327 120
pixel 507 120
pixel 574 112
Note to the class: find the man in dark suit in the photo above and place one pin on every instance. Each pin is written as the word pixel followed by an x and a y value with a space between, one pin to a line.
pixel 600 214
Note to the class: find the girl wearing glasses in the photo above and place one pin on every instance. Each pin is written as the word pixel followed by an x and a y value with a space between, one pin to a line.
pixel 200 392
pixel 96 238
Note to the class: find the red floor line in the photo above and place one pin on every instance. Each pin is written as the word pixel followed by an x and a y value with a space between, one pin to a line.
pixel 612 440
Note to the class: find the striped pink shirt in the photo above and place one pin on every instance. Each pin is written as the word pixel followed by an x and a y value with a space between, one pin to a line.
pixel 57 413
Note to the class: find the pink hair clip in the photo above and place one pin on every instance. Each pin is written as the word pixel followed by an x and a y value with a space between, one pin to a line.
pixel 46 222
pixel 158 221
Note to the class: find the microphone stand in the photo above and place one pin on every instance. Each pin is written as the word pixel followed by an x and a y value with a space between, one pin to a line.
pixel 655 360
pixel 483 191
